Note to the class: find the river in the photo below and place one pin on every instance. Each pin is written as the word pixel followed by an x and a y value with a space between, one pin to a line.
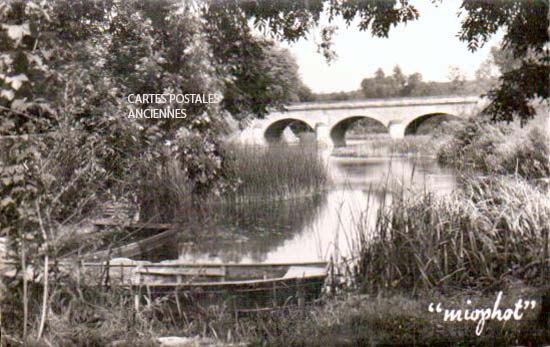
pixel 313 228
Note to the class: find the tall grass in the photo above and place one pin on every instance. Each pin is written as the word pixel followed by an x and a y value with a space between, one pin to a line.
pixel 492 232
pixel 276 171
pixel 253 173
pixel 163 193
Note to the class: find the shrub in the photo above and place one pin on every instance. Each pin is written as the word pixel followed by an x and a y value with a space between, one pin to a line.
pixel 531 158
pixel 486 148
pixel 474 146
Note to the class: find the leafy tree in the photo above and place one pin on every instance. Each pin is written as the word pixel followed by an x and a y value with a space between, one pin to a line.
pixel 526 37
pixel 398 77
pixel 504 59
pixel 66 69
pixel 525 25
pixel 304 93
pixel 380 86
pixel 379 74
pixel 485 75
pixel 414 85
pixel 457 78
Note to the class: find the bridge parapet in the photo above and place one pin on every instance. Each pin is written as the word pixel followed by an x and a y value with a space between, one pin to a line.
pixel 393 102
pixel 330 120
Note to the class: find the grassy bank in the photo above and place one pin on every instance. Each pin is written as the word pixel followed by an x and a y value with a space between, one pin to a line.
pixel 84 316
pixel 399 320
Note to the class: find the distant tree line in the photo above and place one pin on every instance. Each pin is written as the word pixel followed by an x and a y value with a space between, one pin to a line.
pixel 382 86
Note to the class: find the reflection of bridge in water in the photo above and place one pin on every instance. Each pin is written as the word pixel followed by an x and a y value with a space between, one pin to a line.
pixel 330 121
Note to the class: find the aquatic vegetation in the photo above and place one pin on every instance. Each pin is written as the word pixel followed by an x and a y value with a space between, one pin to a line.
pixel 492 232
pixel 256 174
pixel 275 172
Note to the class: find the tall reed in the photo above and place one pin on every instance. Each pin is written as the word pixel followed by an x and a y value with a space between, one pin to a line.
pixel 253 174
pixel 492 232
pixel 276 172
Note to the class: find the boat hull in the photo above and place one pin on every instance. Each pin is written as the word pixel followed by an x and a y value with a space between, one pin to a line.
pixel 236 286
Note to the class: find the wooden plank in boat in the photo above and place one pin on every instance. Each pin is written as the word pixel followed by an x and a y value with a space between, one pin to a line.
pixel 242 283
pixel 228 266
pixel 302 271
pixel 213 271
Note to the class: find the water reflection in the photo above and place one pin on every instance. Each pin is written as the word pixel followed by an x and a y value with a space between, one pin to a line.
pixel 249 232
pixel 315 228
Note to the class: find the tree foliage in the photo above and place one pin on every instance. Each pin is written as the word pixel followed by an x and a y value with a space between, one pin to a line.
pixel 525 25
pixel 526 37
pixel 66 69
pixel 400 85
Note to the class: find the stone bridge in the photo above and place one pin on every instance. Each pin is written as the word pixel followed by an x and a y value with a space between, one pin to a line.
pixel 330 120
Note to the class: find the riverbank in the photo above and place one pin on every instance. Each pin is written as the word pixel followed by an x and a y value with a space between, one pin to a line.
pixel 348 319
pixel 462 250
pixel 404 320
pixel 484 239
pixel 459 251
pixel 490 236
pixel 482 248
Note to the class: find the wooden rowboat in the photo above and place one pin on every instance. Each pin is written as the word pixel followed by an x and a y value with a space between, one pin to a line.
pixel 241 286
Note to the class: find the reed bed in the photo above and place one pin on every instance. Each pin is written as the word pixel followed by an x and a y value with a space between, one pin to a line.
pixel 276 172
pixel 253 174
pixel 163 193
pixel 492 232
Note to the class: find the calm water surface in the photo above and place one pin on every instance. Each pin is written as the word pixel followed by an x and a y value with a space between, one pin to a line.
pixel 314 228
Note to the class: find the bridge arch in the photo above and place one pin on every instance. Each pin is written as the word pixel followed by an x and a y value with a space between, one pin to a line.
pixel 274 131
pixel 412 126
pixel 339 129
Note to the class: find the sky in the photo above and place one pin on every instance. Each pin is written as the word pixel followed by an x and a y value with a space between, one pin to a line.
pixel 428 45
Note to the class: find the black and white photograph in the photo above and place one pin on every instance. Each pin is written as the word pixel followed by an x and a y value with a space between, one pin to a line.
pixel 231 173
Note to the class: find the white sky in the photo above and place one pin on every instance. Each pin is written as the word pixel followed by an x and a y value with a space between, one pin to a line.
pixel 428 45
